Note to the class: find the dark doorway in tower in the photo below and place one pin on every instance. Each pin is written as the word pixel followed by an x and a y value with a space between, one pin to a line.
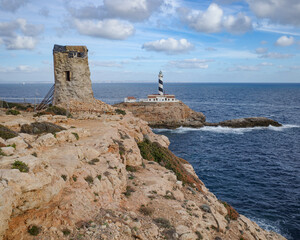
pixel 68 76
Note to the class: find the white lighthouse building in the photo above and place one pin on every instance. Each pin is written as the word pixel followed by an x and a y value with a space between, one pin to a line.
pixel 160 97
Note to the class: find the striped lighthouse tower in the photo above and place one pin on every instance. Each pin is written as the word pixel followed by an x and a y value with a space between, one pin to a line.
pixel 160 84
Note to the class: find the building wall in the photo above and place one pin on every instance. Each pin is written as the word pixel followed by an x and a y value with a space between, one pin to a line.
pixel 72 59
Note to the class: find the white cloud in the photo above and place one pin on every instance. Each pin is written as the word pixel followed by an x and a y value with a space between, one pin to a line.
pixel 131 10
pixel 169 46
pixel 261 50
pixel 190 63
pixel 19 34
pixel 21 42
pixel 239 24
pixel 213 20
pixel 275 55
pixel 278 11
pixel 108 28
pixel 12 5
pixel 263 42
pixel 285 41
pixel 209 21
pixel 20 69
pixel 266 64
pixel 244 68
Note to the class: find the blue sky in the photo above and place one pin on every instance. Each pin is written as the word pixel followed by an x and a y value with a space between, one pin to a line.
pixel 131 40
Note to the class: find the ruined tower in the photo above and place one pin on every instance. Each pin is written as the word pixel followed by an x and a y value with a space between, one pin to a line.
pixel 72 74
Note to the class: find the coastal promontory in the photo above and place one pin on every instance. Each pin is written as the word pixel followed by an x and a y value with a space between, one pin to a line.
pixel 172 115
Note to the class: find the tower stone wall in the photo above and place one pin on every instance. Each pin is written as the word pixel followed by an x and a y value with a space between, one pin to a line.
pixel 72 74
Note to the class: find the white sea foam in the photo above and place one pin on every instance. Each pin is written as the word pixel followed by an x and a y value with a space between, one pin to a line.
pixel 263 223
pixel 226 130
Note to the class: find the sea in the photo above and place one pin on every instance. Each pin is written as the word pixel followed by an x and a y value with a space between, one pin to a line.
pixel 256 170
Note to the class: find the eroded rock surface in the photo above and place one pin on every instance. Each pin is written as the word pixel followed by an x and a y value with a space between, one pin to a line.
pixel 91 181
pixel 165 115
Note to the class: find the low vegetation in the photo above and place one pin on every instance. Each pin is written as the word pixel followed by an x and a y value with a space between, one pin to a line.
pixel 76 135
pixel 34 230
pixel 6 133
pixel 94 161
pixel 162 222
pixel 89 179
pixel 147 211
pixel 129 190
pixel 21 166
pixel 19 106
pixel 155 152
pixel 120 111
pixel 232 214
pixel 64 177
pixel 54 110
pixel 41 127
pixel 12 112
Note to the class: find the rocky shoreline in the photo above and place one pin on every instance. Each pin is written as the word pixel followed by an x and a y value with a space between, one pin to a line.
pixel 178 114
pixel 105 175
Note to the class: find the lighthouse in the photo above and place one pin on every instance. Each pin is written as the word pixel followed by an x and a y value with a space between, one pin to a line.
pixel 160 84
pixel 161 97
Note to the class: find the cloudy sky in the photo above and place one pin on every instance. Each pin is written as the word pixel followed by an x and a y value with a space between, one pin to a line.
pixel 131 40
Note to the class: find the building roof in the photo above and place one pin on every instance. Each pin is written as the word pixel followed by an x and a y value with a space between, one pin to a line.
pixel 131 98
pixel 66 49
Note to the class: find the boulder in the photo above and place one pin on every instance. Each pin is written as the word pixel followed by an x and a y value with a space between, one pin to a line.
pixel 41 127
pixel 7 150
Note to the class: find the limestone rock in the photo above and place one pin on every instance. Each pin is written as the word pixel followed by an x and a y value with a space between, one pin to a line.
pixel 41 127
pixel 8 150
pixel 18 141
pixel 165 115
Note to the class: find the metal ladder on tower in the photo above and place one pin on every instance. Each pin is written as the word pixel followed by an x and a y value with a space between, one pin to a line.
pixel 48 99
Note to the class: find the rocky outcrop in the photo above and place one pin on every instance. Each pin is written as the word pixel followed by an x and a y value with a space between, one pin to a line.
pixel 165 115
pixel 249 122
pixel 115 180
pixel 174 115
pixel 41 127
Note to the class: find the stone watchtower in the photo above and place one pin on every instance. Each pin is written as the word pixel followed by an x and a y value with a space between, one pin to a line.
pixel 72 74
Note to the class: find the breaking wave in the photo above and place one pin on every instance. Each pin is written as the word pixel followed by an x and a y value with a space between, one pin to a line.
pixel 226 130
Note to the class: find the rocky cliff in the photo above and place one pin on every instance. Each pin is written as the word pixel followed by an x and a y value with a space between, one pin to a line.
pixel 165 115
pixel 106 177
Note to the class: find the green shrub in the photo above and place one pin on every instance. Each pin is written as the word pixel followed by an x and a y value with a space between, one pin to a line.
pixel 66 232
pixel 162 222
pixel 129 190
pixel 13 145
pixel 74 178
pixel 12 112
pixel 147 211
pixel 19 106
pixel 93 161
pixel 34 230
pixel 6 133
pixel 21 166
pixel 99 177
pixel 131 168
pixel 76 135
pixel 155 152
pixel 120 111
pixel 89 179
